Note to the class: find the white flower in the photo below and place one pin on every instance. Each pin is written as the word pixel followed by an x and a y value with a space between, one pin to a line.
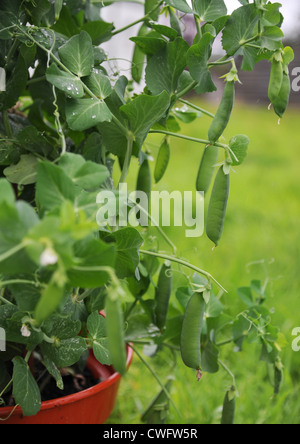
pixel 49 257
pixel 25 331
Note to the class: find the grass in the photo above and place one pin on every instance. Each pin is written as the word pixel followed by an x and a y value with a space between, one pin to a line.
pixel 262 224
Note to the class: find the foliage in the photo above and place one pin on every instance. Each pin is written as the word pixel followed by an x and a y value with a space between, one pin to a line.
pixel 63 127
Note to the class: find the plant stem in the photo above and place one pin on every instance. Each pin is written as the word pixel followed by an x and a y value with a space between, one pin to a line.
pixel 186 90
pixel 228 371
pixel 185 264
pixel 197 108
pixel 190 139
pixel 156 377
pixel 143 19
pixel 156 225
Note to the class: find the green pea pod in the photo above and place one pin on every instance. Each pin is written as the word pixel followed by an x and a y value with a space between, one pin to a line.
pixel 282 101
pixel 162 161
pixel 144 182
pixel 223 114
pixel 276 78
pixel 191 331
pixel 218 206
pixel 228 409
pixel 138 58
pixel 115 333
pixel 58 7
pixel 207 168
pixel 175 22
pixel 162 295
pixel 278 377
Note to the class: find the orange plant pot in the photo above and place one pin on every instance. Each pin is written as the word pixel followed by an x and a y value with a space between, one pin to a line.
pixel 91 406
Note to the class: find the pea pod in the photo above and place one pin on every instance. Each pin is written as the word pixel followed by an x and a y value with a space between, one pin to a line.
pixel 228 408
pixel 218 206
pixel 276 78
pixel 278 377
pixel 144 181
pixel 162 295
pixel 207 168
pixel 115 332
pixel 223 114
pixel 282 101
pixel 191 332
pixel 162 161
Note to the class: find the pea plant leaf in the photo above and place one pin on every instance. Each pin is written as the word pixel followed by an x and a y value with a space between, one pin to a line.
pixel 181 5
pixel 240 27
pixel 25 389
pixel 83 114
pixel 96 325
pixel 78 54
pixel 85 174
pixel 99 84
pixel 210 10
pixel 128 241
pixel 143 112
pixel 165 68
pixel 54 187
pixel 64 81
pixel 197 59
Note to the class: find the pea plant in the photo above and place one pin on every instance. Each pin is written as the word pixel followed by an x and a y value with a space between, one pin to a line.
pixel 67 121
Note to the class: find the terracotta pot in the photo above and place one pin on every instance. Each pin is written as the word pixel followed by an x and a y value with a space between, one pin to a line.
pixel 91 406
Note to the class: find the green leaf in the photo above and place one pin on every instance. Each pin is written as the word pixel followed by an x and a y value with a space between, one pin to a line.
pixel 78 54
pixel 25 172
pixel 96 325
pixel 98 30
pixel 68 346
pixel 245 294
pixel 197 58
pixel 239 145
pixel 181 5
pixel 15 84
pixel 53 186
pixel 34 142
pixel 25 389
pixel 64 81
pixel 143 112
pixel 128 242
pixel 7 193
pixel 165 68
pixel 240 27
pixel 210 356
pixel 54 371
pixel 50 300
pixel 91 253
pixel 99 84
pixel 210 10
pixel 87 175
pixel 83 114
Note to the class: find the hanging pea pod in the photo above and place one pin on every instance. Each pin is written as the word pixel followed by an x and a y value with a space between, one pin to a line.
pixel 57 8
pixel 190 345
pixel 223 114
pixel 175 22
pixel 162 161
pixel 276 78
pixel 229 408
pixel 162 295
pixel 207 168
pixel 115 331
pixel 218 206
pixel 144 181
pixel 282 101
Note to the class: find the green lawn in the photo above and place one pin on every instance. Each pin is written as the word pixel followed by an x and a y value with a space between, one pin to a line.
pixel 262 224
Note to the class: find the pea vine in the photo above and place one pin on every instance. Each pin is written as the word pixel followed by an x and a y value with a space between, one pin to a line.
pixel 65 122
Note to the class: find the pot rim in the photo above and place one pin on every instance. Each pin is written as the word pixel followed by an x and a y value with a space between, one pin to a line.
pixel 75 397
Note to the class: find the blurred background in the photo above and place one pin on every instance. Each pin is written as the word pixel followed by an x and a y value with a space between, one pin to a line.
pixel 261 241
